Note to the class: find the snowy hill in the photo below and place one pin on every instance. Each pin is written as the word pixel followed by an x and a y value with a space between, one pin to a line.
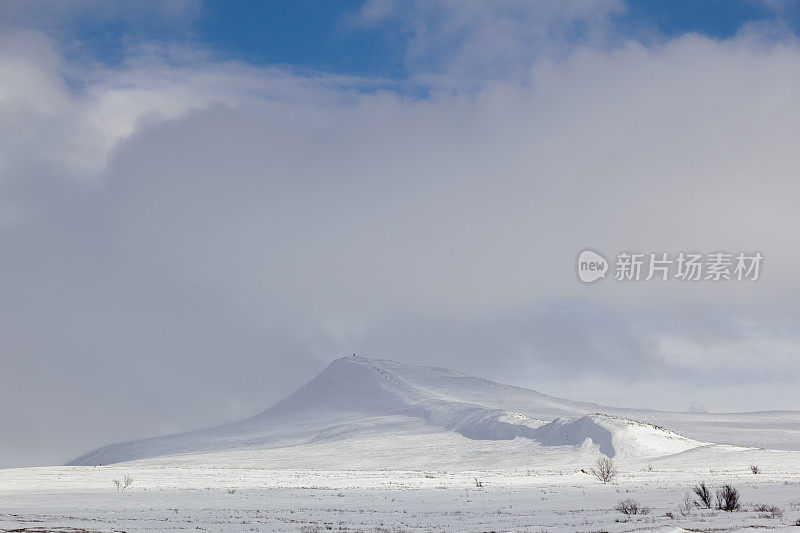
pixel 368 413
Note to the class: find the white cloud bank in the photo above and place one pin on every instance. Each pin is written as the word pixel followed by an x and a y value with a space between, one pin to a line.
pixel 184 241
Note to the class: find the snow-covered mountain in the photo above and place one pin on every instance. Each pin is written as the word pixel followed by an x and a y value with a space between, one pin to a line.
pixel 369 413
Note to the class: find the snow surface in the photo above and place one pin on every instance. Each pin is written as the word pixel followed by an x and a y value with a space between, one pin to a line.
pixel 214 498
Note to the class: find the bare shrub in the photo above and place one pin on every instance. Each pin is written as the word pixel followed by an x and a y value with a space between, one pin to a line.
pixel 769 511
pixel 686 507
pixel 755 469
pixel 704 494
pixel 727 498
pixel 231 491
pixel 123 483
pixel 604 469
pixel 478 484
pixel 629 506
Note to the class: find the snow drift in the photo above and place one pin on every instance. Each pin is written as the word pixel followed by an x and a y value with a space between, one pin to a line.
pixel 614 436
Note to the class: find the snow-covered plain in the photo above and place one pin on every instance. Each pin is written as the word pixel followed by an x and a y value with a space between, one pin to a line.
pixel 377 445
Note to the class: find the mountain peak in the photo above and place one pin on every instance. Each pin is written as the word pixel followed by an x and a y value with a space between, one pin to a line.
pixel 352 383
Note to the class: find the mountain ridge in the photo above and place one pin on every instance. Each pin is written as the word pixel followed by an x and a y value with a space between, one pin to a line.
pixel 357 395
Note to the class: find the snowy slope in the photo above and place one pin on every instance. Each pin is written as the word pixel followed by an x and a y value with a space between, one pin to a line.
pixel 368 413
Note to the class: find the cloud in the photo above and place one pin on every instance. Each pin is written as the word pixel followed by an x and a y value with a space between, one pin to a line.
pixel 65 119
pixel 453 43
pixel 186 240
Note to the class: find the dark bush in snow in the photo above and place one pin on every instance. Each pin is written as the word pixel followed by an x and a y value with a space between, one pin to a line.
pixel 604 469
pixel 704 494
pixel 769 511
pixel 727 498
pixel 630 506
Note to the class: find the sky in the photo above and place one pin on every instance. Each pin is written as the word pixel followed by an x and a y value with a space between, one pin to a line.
pixel 203 203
